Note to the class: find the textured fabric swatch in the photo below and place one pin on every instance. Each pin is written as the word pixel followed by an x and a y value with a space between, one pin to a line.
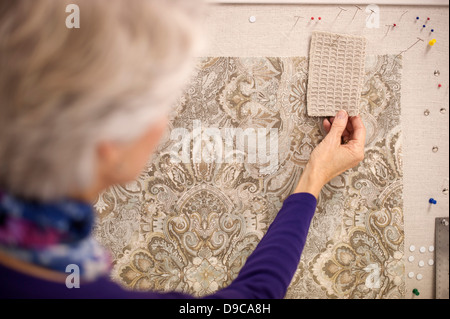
pixel 190 225
pixel 336 73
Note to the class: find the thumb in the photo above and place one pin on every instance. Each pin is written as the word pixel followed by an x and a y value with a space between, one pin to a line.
pixel 339 125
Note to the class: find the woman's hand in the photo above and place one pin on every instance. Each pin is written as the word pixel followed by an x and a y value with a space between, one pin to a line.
pixel 342 149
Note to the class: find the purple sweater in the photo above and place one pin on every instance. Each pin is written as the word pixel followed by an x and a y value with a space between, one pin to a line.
pixel 266 274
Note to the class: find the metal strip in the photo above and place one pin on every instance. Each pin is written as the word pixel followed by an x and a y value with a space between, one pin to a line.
pixel 442 261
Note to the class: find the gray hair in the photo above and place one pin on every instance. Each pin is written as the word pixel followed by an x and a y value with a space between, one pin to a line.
pixel 64 90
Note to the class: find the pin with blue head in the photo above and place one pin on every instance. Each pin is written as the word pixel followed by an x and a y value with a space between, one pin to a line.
pixel 432 201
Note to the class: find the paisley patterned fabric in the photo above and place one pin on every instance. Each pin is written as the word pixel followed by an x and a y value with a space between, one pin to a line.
pixel 190 225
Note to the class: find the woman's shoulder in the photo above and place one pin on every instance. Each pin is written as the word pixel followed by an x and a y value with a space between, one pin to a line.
pixel 25 281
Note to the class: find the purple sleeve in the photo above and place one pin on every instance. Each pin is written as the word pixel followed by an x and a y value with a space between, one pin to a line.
pixel 266 274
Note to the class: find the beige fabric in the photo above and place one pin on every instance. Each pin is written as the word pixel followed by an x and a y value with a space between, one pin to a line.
pixel 189 226
pixel 336 73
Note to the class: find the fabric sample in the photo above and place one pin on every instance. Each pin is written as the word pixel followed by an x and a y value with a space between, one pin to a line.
pixel 336 73
pixel 189 225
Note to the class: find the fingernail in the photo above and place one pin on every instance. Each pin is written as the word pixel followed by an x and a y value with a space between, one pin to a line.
pixel 341 114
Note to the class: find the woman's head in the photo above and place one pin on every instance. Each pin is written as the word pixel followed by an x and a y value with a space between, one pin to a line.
pixel 75 103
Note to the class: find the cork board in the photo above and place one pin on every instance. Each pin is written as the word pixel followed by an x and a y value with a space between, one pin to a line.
pixel 284 31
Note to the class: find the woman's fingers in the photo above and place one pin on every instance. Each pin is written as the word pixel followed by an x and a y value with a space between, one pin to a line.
pixel 354 130
pixel 327 125
pixel 330 158
pixel 359 130
pixel 338 126
pixel 349 127
pixel 357 143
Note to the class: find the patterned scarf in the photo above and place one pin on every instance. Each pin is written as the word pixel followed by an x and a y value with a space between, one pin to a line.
pixel 52 235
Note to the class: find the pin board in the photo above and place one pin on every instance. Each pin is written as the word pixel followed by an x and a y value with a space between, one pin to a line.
pixel 386 207
pixel 285 30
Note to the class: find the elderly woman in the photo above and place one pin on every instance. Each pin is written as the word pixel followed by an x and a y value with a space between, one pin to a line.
pixel 82 109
